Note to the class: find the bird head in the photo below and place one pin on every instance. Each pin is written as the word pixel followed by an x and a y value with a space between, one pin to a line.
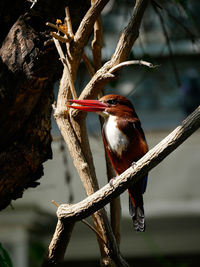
pixel 112 104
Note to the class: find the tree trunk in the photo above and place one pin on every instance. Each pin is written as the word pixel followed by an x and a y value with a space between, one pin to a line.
pixel 26 90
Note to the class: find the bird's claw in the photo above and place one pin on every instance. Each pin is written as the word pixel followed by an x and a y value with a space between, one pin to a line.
pixel 111 181
pixel 133 164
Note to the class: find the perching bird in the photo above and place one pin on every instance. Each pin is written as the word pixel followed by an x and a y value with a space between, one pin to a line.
pixel 125 143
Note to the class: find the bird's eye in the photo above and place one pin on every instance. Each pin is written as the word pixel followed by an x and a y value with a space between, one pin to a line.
pixel 112 102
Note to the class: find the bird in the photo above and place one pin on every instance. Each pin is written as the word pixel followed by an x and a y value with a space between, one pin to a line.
pixel 125 143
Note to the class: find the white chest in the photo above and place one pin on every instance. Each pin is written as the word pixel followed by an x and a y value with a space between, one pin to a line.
pixel 117 141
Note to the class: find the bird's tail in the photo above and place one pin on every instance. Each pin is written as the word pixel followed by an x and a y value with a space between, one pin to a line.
pixel 136 210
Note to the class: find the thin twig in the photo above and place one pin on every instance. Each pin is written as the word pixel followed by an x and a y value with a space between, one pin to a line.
pixel 88 64
pixel 132 62
pixel 69 22
pixel 185 28
pixel 59 49
pixel 54 26
pixel 86 223
pixel 60 29
pixel 168 44
pixel 71 82
pixel 33 3
pixel 94 230
pixel 60 38
pixel 97 42
pixel 55 203
pixel 62 57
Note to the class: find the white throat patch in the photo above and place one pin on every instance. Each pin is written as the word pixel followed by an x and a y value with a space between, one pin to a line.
pixel 117 141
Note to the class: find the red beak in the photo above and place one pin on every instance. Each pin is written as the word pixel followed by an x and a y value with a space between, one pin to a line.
pixel 88 105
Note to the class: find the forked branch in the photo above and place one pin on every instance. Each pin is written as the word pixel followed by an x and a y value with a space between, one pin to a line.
pixel 123 48
pixel 73 128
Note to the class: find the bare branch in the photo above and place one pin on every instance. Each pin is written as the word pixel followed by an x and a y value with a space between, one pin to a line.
pixel 59 49
pixel 96 45
pixel 67 37
pixel 69 23
pixel 90 186
pixel 68 214
pixel 96 201
pixel 58 244
pixel 74 130
pixel 68 74
pixel 130 33
pixel 97 42
pixel 88 64
pixel 94 230
pixel 127 39
pixel 131 62
pixel 60 38
pixel 185 28
pixel 86 26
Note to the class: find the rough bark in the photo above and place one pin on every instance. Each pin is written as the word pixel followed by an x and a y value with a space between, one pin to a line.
pixel 58 244
pixel 26 97
pixel 73 126
pixel 26 90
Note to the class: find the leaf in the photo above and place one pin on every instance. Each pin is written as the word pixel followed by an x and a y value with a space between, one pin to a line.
pixel 5 260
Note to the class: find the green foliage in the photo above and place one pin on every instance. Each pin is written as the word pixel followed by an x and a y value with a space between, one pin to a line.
pixel 5 260
pixel 37 253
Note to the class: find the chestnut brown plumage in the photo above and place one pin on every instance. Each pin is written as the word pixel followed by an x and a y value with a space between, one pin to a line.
pixel 125 143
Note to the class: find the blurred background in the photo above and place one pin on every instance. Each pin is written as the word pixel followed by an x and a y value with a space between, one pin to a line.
pixel 163 97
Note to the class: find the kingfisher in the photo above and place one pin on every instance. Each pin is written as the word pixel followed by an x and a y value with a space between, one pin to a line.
pixel 125 143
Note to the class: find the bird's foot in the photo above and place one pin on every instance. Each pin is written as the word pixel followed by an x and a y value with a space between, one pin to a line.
pixel 133 164
pixel 111 181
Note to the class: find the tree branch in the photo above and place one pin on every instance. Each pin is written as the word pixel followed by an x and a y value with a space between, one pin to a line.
pixel 88 178
pixel 127 39
pixel 88 64
pixel 97 42
pixel 130 33
pixel 26 95
pixel 96 201
pixel 131 62
pixel 76 125
pixel 86 26
pixel 58 244
pixel 69 214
